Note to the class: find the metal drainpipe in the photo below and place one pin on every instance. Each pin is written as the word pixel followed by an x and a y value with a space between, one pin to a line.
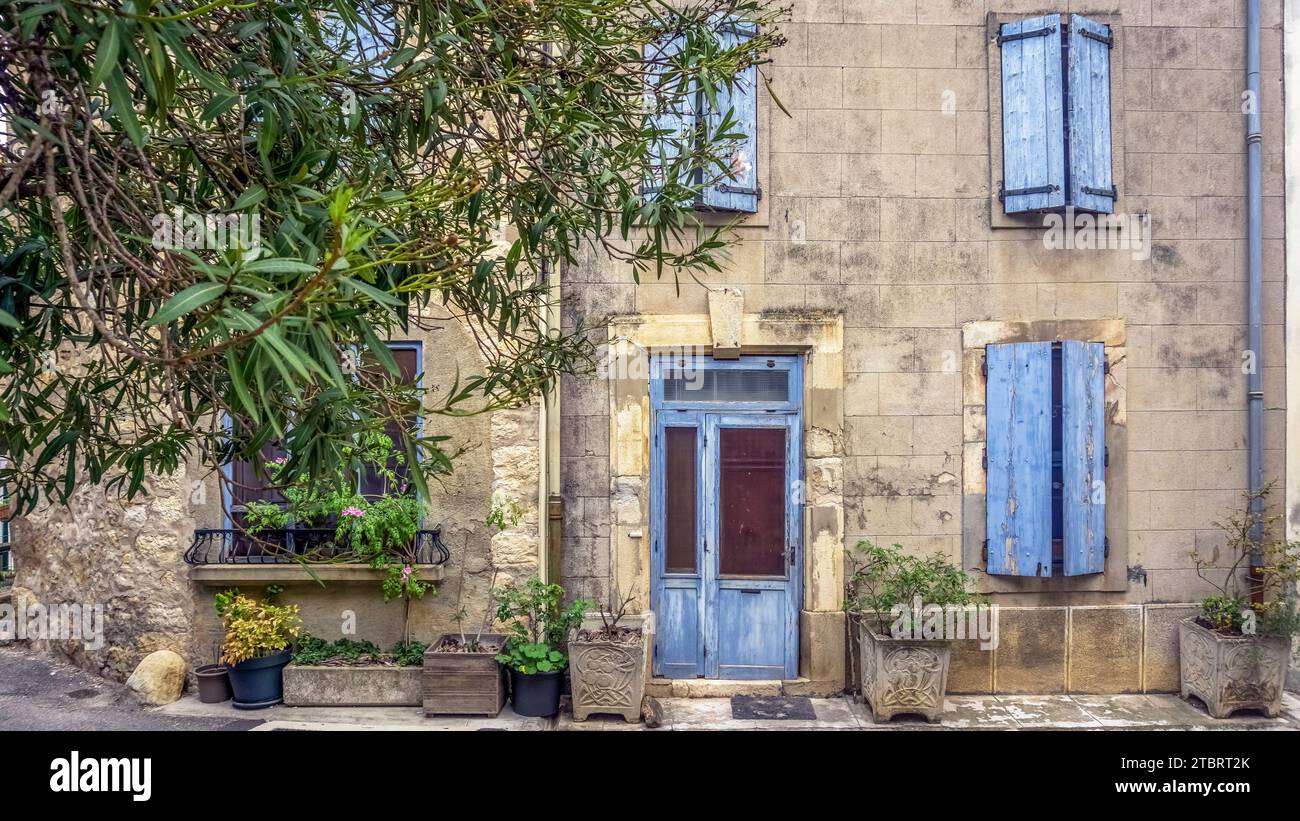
pixel 1255 262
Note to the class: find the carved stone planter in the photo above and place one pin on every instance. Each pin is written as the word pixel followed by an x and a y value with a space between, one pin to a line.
pixel 903 676
pixel 609 677
pixel 1231 673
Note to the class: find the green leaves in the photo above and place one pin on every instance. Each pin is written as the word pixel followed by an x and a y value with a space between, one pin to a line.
pixel 187 301
pixel 316 202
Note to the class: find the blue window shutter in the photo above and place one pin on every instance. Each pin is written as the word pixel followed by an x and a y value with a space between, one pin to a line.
pixel 1018 403
pixel 1092 187
pixel 1033 135
pixel 1083 452
pixel 672 119
pixel 739 190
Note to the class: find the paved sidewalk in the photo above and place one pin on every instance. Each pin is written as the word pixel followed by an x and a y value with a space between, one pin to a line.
pixel 1122 712
pixel 40 693
pixel 1117 712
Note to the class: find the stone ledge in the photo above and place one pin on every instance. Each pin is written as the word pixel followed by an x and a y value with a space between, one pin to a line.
pixel 218 574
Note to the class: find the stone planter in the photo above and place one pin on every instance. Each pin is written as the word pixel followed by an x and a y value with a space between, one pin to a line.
pixel 903 675
pixel 463 684
pixel 1231 673
pixel 360 686
pixel 608 677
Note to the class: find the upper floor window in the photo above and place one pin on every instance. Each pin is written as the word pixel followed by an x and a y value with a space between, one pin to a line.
pixel 1045 456
pixel 1056 118
pixel 681 120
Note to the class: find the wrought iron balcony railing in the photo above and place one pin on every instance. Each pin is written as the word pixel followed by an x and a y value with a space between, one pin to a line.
pixel 294 545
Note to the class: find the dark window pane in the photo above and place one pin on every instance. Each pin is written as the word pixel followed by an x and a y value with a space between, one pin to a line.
pixel 752 502
pixel 679 500
pixel 408 361
pixel 715 385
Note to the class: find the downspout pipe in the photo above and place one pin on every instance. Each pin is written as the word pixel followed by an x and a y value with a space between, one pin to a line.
pixel 1255 266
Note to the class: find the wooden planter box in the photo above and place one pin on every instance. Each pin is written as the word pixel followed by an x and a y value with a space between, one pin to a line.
pixel 1231 673
pixel 359 686
pixel 903 676
pixel 471 684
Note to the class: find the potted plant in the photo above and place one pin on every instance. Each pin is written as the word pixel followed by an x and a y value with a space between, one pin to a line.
pixel 353 673
pixel 903 670
pixel 258 635
pixel 461 672
pixel 1234 655
pixel 214 681
pixel 608 664
pixel 538 626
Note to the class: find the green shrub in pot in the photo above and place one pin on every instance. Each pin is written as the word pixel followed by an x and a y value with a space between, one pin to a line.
pixel 1234 654
pixel 538 626
pixel 901 673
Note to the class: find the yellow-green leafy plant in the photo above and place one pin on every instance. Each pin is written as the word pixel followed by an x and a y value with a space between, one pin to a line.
pixel 255 628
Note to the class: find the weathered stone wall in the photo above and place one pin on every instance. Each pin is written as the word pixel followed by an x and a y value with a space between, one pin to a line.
pixel 879 202
pixel 125 557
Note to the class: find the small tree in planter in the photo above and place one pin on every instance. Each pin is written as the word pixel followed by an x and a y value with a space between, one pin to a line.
pixel 538 627
pixel 1234 655
pixel 258 635
pixel 608 666
pixel 900 673
pixel 461 673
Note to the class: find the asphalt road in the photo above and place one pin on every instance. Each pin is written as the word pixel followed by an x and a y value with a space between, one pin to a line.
pixel 38 692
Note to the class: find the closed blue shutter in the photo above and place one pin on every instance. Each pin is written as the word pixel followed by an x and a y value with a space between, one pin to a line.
pixel 738 191
pixel 1091 184
pixel 1019 451
pixel 672 114
pixel 1033 136
pixel 1083 451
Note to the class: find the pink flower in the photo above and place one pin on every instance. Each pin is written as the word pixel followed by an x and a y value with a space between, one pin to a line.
pixel 406 573
pixel 353 511
pixel 402 489
pixel 280 460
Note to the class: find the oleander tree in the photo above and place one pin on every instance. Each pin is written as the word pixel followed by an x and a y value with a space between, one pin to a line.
pixel 214 212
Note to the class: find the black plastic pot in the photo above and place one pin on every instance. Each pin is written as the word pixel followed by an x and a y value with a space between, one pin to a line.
pixel 259 682
pixel 214 683
pixel 536 695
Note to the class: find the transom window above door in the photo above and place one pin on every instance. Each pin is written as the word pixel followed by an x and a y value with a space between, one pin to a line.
pixel 749 383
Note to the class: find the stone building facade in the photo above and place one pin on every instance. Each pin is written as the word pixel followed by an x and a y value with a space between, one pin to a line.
pixel 878 266
pixel 881 236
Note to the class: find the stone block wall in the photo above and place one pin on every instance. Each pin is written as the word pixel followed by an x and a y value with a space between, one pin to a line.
pixel 878 200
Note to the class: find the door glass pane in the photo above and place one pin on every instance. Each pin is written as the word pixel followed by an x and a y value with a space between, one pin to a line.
pixel 679 500
pixel 739 385
pixel 752 503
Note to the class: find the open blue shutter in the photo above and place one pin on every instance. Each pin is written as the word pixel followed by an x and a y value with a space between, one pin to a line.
pixel 739 190
pixel 1083 452
pixel 1092 188
pixel 672 112
pixel 1033 135
pixel 1019 451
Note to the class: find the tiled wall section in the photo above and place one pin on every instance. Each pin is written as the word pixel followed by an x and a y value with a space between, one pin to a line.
pixel 1107 649
pixel 879 206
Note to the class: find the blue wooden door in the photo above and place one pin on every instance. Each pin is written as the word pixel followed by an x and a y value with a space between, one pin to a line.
pixel 727 527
